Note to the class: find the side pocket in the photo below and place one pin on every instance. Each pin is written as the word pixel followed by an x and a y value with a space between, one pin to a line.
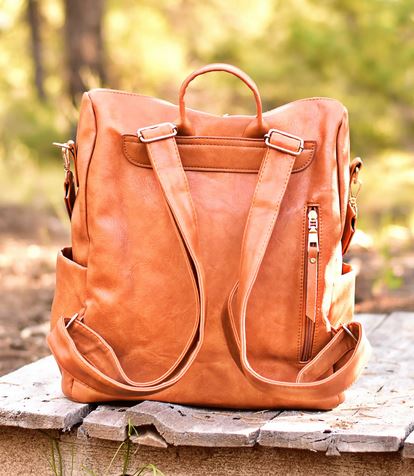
pixel 343 297
pixel 70 286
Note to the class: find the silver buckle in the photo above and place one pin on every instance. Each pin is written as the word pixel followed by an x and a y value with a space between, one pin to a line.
pixel 153 139
pixel 346 329
pixel 301 143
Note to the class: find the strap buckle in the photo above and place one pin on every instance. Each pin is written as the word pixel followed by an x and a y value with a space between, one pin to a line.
pixel 301 143
pixel 346 329
pixel 71 320
pixel 154 139
pixel 78 316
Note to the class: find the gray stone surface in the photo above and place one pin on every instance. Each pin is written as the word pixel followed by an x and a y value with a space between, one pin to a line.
pixel 149 437
pixel 107 422
pixel 187 426
pixel 371 321
pixel 408 450
pixel 31 398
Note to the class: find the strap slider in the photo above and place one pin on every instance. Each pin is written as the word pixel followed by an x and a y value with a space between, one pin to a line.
pixel 300 147
pixel 141 137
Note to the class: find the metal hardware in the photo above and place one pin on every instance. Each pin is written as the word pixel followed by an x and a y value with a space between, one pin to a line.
pixel 313 229
pixel 72 319
pixel 68 153
pixel 356 183
pixel 67 148
pixel 153 139
pixel 69 145
pixel 355 190
pixel 63 145
pixel 301 143
pixel 346 329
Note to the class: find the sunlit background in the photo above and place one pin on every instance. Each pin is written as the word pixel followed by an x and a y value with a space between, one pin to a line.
pixel 358 51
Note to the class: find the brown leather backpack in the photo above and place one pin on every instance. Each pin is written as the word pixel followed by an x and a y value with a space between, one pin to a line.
pixel 206 262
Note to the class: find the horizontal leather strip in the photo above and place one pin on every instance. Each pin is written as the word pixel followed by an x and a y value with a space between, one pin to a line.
pixel 216 154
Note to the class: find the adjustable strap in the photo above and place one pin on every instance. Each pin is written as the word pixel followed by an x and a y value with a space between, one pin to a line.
pixel 86 355
pixel 347 351
pixel 342 359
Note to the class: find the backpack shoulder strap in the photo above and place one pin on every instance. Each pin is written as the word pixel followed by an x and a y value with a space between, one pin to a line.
pixel 348 350
pixel 71 339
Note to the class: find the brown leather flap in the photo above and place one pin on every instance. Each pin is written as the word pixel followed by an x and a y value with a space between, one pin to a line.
pixel 216 154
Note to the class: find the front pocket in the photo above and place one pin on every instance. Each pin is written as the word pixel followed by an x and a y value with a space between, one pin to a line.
pixel 343 297
pixel 70 289
pixel 311 264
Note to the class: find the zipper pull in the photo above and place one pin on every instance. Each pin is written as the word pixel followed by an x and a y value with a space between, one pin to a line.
pixel 313 239
pixel 312 263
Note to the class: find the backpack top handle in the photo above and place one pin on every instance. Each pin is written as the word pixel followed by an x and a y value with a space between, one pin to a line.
pixel 257 128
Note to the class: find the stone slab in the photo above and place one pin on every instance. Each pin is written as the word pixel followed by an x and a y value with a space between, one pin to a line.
pixel 107 422
pixel 181 425
pixel 408 450
pixel 31 398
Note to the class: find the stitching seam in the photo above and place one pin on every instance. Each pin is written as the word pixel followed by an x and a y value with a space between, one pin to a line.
pixel 302 287
pixel 264 242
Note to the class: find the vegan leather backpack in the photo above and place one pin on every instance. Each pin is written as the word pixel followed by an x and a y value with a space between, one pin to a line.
pixel 206 262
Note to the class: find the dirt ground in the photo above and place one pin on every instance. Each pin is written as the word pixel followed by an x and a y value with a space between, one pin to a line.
pixel 29 240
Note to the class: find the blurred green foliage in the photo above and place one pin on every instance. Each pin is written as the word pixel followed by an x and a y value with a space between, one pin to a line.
pixel 358 51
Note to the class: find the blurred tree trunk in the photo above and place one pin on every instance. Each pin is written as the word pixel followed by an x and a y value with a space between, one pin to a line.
pixel 34 19
pixel 84 44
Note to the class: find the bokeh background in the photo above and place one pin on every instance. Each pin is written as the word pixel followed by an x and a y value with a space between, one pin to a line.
pixel 358 51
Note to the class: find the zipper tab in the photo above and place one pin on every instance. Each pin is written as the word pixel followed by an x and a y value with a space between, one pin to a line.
pixel 311 284
pixel 312 263
pixel 313 239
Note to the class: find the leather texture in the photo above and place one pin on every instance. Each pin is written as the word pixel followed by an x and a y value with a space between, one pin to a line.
pixel 206 265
